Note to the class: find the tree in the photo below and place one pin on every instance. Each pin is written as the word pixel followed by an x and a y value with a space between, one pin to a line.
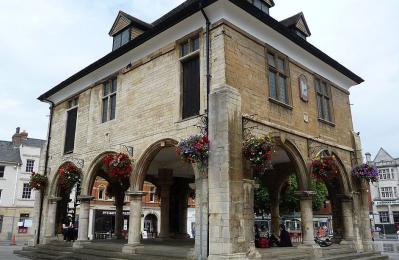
pixel 288 199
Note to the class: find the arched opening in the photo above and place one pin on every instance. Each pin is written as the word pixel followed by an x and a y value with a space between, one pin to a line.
pixel 67 189
pixel 150 226
pixel 174 181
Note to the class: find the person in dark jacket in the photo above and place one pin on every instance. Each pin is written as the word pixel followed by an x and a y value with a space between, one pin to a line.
pixel 285 240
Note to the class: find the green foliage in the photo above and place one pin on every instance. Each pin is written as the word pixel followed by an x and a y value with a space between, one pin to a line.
pixel 288 199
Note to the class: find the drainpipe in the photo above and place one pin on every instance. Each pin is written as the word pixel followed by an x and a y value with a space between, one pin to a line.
pixel 208 90
pixel 45 168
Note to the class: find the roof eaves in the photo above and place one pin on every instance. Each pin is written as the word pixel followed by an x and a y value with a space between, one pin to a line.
pixel 274 24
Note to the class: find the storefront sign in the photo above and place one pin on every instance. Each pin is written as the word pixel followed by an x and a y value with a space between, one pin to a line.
pixel 386 202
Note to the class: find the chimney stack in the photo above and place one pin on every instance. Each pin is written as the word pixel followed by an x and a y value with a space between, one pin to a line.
pixel 368 157
pixel 18 137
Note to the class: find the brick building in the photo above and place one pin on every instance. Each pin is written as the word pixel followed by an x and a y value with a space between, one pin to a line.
pixel 231 61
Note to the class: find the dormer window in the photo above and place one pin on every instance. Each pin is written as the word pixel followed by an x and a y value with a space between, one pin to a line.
pixel 121 38
pixel 262 5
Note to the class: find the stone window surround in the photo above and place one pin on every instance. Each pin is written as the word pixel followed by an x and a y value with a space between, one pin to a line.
pixel 71 103
pixel 108 97
pixel 330 101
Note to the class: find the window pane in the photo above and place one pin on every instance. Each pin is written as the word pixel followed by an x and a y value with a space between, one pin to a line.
pixel 326 110
pixel 117 41
pixel 195 44
pixel 318 87
pixel 105 110
pixel 270 59
pixel 184 49
pixel 114 86
pixel 113 105
pixel 70 130
pixel 319 106
pixel 191 88
pixel 258 3
pixel 265 8
pixel 125 36
pixel 2 167
pixel 105 88
pixel 272 85
pixel 324 89
pixel 283 94
pixel 280 64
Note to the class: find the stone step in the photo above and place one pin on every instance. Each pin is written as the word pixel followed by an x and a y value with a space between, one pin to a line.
pixel 336 251
pixel 98 253
pixel 34 255
pixel 352 256
pixel 51 247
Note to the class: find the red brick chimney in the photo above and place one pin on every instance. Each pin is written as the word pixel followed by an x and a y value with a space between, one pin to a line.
pixel 18 137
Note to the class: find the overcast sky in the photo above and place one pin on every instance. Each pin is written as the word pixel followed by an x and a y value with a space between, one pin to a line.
pixel 43 42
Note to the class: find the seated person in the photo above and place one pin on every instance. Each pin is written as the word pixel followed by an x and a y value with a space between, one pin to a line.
pixel 285 240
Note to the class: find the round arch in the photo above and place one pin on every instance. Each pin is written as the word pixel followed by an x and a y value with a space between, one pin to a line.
pixel 92 171
pixel 145 160
pixel 343 179
pixel 301 171
pixel 53 188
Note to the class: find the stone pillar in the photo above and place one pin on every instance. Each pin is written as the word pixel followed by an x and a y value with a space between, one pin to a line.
pixel 365 219
pixel 165 181
pixel 226 223
pixel 183 201
pixel 201 215
pixel 347 219
pixel 275 212
pixel 134 238
pixel 51 215
pixel 307 217
pixel 83 229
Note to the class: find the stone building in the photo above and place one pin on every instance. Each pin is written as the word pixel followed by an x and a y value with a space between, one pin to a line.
pixel 384 193
pixel 230 68
pixel 18 159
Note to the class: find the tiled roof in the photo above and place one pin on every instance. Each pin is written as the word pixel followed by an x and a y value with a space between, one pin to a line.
pixel 9 153
pixel 33 142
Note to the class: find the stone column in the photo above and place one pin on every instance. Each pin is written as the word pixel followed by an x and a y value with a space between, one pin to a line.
pixel 83 229
pixel 365 219
pixel 165 181
pixel 201 215
pixel 225 173
pixel 51 215
pixel 275 212
pixel 307 217
pixel 183 201
pixel 347 218
pixel 134 238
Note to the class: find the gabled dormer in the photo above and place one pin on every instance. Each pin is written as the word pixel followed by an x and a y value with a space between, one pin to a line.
pixel 297 24
pixel 263 5
pixel 126 28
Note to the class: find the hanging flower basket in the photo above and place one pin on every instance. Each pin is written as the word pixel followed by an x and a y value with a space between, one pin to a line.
pixel 194 149
pixel 258 151
pixel 69 175
pixel 366 172
pixel 324 168
pixel 38 181
pixel 117 166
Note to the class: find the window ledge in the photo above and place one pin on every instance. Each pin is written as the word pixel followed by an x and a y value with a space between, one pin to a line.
pixel 275 101
pixel 326 122
pixel 188 119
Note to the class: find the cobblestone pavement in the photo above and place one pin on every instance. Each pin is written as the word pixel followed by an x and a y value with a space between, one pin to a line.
pixel 6 253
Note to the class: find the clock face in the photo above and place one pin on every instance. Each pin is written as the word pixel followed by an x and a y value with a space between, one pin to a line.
pixel 303 88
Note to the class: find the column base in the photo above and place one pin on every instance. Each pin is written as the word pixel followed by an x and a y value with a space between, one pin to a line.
pixel 80 243
pixel 237 256
pixel 48 239
pixel 314 249
pixel 368 246
pixel 131 249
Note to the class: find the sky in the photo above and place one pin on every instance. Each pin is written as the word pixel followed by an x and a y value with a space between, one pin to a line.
pixel 43 42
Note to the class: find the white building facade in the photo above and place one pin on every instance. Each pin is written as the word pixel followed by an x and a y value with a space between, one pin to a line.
pixel 384 194
pixel 18 159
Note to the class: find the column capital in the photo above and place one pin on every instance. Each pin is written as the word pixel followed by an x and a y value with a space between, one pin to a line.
pixel 305 194
pixel 54 199
pixel 136 194
pixel 85 198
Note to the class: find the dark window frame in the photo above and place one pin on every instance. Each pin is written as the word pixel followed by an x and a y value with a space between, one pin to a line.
pixel 279 73
pixel 109 99
pixel 26 191
pixel 72 111
pixel 2 170
pixel 119 36
pixel 30 164
pixel 324 101
pixel 189 53
pixel 384 218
